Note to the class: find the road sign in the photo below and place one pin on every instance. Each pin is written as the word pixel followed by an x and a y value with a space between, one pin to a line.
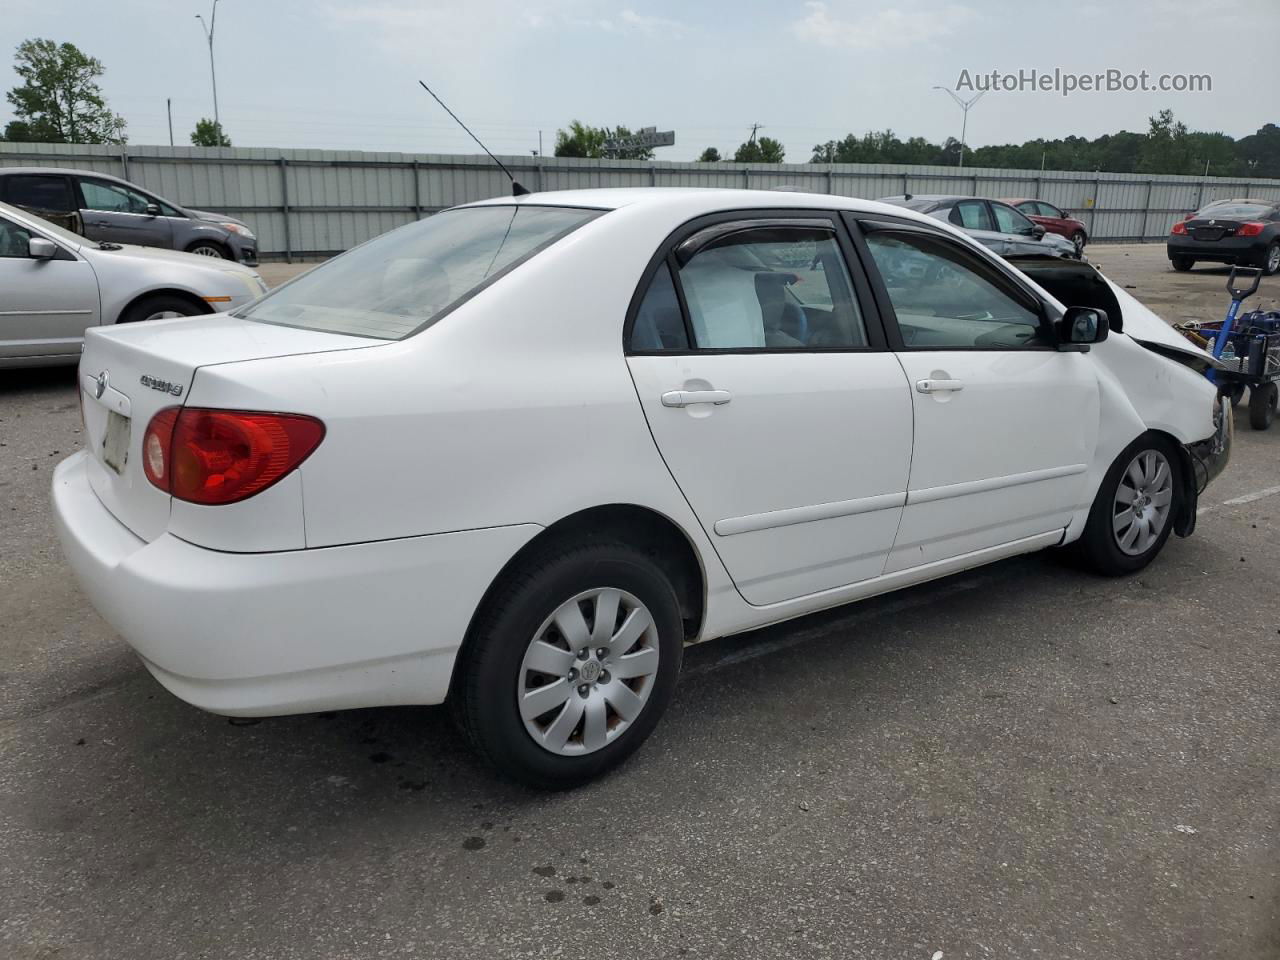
pixel 644 138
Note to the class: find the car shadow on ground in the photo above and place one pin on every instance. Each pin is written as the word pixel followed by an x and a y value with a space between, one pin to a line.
pixel 30 381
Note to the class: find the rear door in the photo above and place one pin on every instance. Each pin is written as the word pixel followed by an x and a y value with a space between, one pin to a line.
pixel 119 214
pixel 48 195
pixel 1005 424
pixel 773 401
pixel 45 305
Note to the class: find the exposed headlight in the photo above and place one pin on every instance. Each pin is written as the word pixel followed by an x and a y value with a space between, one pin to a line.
pixel 239 228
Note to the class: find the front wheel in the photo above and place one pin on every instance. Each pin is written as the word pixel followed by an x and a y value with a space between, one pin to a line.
pixel 571 664
pixel 159 307
pixel 1079 239
pixel 1182 264
pixel 1262 405
pixel 207 248
pixel 1133 512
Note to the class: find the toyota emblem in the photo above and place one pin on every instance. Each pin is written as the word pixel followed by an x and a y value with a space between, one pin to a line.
pixel 100 385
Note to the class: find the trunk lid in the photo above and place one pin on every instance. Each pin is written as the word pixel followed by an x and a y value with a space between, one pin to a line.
pixel 1212 229
pixel 129 373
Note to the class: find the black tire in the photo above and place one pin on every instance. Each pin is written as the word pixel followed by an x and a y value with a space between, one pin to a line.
pixel 1270 262
pixel 488 674
pixel 1098 545
pixel 1234 393
pixel 148 307
pixel 209 248
pixel 1182 264
pixel 1262 405
pixel 1079 239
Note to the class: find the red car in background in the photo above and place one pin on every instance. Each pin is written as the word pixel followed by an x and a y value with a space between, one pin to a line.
pixel 1053 220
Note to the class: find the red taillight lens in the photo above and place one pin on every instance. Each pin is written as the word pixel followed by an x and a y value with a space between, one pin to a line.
pixel 222 456
pixel 1251 229
pixel 1179 228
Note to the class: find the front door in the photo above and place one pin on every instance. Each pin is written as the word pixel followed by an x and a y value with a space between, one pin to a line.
pixel 781 416
pixel 45 305
pixel 1005 425
pixel 119 214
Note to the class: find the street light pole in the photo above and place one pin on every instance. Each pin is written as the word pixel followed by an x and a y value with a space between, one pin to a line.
pixel 964 105
pixel 213 76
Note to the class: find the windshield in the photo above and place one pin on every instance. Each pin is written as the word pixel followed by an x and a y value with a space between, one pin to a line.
pixel 401 282
pixel 1227 209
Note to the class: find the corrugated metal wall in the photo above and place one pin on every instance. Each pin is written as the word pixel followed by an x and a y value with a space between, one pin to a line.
pixel 314 202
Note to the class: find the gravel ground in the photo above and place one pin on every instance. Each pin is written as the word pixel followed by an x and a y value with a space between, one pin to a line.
pixel 1022 761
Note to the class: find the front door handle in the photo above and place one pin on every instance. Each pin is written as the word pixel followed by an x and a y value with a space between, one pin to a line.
pixel 939 386
pixel 684 398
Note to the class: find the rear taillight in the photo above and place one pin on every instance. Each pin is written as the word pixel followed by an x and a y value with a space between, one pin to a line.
pixel 1179 228
pixel 1251 229
pixel 222 456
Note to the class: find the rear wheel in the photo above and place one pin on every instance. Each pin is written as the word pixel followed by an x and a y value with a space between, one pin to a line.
pixel 1133 513
pixel 1262 405
pixel 1271 259
pixel 571 665
pixel 1182 264
pixel 159 307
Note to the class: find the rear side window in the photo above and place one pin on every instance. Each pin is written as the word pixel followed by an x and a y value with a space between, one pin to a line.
pixel 38 192
pixel 401 282
pixel 659 323
pixel 972 215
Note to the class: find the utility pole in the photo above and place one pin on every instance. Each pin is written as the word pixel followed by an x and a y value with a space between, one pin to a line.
pixel 168 106
pixel 754 128
pixel 965 105
pixel 208 32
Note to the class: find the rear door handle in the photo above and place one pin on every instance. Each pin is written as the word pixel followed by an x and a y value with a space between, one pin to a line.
pixel 939 386
pixel 684 398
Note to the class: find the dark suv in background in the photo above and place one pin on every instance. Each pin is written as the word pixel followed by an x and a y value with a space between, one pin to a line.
pixel 104 208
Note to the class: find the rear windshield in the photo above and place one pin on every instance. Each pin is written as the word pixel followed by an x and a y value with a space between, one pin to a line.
pixel 401 282
pixel 1235 210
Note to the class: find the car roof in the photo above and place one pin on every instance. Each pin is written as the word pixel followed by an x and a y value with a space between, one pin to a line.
pixel 64 171
pixel 696 200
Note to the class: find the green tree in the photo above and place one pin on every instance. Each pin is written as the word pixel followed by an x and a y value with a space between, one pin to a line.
pixel 209 134
pixel 59 100
pixel 764 150
pixel 583 140
pixel 710 155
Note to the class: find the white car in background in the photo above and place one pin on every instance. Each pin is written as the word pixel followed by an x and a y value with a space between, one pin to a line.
pixel 55 284
pixel 518 454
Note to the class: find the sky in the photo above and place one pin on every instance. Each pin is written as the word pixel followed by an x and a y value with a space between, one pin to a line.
pixel 328 74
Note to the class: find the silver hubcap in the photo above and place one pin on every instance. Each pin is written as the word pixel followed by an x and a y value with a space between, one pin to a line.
pixel 208 252
pixel 1273 261
pixel 588 672
pixel 164 315
pixel 1142 503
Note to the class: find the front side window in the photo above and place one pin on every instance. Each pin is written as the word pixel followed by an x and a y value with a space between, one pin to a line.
pixel 14 240
pixel 772 287
pixel 1009 220
pixel 112 197
pixel 944 298
pixel 972 215
pixel 1049 210
pixel 39 192
pixel 402 281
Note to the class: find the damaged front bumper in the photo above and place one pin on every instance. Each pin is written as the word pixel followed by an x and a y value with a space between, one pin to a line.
pixel 1202 461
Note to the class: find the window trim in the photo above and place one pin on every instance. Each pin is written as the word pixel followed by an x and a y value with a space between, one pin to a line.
pixel 755 218
pixel 861 224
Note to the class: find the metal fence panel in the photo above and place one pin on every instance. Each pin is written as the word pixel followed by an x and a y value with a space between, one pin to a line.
pixel 319 202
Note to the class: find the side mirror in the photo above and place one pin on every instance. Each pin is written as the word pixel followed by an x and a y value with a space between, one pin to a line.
pixel 1081 326
pixel 38 248
pixel 152 210
pixel 1038 230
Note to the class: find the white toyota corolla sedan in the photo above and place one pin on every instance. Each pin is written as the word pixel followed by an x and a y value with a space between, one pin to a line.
pixel 516 455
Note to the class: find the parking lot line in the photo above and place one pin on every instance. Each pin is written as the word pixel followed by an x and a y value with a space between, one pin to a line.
pixel 1237 501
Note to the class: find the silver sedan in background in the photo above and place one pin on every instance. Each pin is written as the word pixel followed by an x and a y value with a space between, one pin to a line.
pixel 54 284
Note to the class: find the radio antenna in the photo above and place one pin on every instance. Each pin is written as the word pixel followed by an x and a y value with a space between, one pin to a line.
pixel 517 189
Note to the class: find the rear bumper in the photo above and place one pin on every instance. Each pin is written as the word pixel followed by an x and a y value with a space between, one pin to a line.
pixel 1242 250
pixel 261 634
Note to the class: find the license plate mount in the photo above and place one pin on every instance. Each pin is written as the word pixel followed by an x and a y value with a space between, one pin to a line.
pixel 115 443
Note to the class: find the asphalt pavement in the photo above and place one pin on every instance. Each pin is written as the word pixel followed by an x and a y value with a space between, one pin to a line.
pixel 1021 761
